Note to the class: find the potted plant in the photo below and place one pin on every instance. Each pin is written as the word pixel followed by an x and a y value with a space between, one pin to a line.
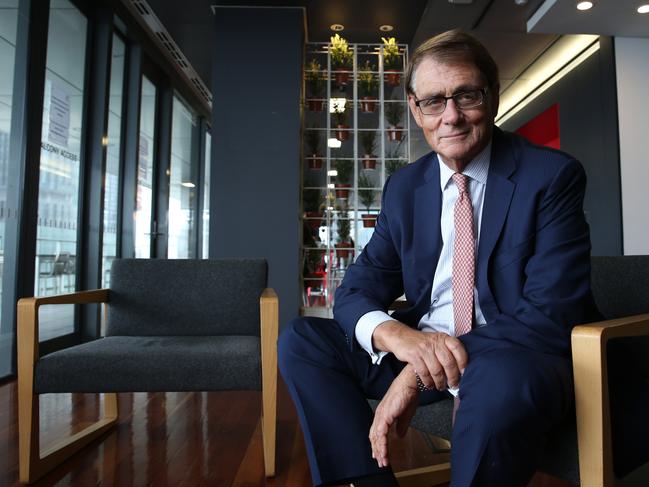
pixel 344 168
pixel 367 85
pixel 313 142
pixel 391 61
pixel 342 59
pixel 394 114
pixel 368 141
pixel 366 197
pixel 314 272
pixel 345 245
pixel 392 165
pixel 340 121
pixel 316 86
pixel 311 198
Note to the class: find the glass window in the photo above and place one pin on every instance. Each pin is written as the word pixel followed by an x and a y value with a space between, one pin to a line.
pixel 8 25
pixel 56 237
pixel 182 183
pixel 113 151
pixel 206 196
pixel 144 194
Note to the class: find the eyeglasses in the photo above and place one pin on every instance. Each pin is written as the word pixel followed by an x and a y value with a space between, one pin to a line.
pixel 463 100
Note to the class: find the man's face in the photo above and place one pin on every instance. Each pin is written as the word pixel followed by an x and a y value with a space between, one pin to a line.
pixel 456 135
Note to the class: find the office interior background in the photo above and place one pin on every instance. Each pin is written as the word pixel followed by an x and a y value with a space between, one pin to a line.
pixel 168 130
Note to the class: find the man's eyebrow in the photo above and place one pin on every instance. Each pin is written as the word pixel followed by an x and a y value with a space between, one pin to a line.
pixel 458 89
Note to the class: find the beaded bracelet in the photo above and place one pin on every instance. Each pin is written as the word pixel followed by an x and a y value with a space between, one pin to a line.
pixel 421 387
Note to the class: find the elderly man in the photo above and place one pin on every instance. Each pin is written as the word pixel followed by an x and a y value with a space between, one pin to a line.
pixel 487 239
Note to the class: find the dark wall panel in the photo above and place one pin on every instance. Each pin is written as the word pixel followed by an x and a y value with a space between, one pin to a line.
pixel 257 72
pixel 589 132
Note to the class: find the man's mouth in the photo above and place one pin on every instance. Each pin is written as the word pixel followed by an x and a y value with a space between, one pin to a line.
pixel 454 136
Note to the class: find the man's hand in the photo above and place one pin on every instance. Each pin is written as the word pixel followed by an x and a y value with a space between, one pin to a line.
pixel 399 404
pixel 439 359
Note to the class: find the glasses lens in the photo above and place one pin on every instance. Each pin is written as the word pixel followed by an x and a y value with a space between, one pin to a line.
pixel 468 99
pixel 432 106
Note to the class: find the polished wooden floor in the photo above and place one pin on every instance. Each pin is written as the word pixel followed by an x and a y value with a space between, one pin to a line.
pixel 182 439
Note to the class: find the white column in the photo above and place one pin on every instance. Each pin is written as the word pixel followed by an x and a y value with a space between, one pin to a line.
pixel 632 74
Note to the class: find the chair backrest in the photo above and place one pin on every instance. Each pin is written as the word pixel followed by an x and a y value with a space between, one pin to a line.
pixel 621 285
pixel 159 297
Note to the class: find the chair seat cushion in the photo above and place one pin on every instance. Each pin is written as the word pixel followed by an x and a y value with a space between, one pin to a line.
pixel 153 364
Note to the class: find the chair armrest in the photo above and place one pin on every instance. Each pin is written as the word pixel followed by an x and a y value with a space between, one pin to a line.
pixel 27 314
pixel 591 393
pixel 269 315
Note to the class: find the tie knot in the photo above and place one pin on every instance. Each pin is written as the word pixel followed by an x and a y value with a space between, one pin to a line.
pixel 460 181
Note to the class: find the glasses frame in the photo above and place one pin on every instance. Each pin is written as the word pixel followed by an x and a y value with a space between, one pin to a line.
pixel 447 98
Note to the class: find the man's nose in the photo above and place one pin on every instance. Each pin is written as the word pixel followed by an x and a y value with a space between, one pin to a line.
pixel 451 114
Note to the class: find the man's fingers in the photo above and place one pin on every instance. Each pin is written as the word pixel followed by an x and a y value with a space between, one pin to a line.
pixel 456 347
pixel 436 371
pixel 448 363
pixel 379 438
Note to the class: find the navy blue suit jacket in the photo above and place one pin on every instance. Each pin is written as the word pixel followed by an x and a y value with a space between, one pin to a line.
pixel 533 262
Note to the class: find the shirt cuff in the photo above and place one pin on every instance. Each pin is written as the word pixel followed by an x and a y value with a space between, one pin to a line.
pixel 365 327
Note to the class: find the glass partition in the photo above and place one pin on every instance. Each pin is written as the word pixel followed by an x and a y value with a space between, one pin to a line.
pixel 206 196
pixel 58 195
pixel 144 192
pixel 113 151
pixel 8 25
pixel 182 183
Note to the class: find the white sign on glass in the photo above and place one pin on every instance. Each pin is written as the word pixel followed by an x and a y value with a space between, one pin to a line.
pixel 59 126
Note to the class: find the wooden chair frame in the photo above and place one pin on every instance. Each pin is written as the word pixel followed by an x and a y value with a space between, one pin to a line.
pixel 591 400
pixel 35 463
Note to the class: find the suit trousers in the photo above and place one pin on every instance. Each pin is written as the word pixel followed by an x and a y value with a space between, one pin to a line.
pixel 510 398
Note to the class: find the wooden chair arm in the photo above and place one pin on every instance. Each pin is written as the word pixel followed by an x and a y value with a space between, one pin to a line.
pixel 79 297
pixel 269 314
pixel 27 321
pixel 591 393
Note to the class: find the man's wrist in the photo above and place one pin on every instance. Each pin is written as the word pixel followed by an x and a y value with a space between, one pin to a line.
pixel 383 334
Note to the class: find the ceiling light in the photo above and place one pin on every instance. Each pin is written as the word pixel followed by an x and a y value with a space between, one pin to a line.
pixel 188 185
pixel 584 5
pixel 386 28
pixel 333 173
pixel 337 27
pixel 643 9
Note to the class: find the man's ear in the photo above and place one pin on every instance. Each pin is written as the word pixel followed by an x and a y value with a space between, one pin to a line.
pixel 415 111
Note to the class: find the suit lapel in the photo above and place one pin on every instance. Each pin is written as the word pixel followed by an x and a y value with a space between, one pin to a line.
pixel 498 196
pixel 427 237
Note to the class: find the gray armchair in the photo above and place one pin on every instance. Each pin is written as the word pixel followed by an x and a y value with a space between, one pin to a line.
pixel 611 371
pixel 171 325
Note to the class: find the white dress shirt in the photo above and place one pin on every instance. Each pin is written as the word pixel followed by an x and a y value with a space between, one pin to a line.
pixel 440 315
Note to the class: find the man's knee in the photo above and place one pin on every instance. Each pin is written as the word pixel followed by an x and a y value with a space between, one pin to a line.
pixel 307 338
pixel 513 388
pixel 289 342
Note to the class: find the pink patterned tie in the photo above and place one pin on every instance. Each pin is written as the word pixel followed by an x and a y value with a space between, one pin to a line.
pixel 463 258
pixel 463 263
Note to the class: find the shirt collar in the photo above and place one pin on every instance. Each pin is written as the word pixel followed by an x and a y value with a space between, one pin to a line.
pixel 477 169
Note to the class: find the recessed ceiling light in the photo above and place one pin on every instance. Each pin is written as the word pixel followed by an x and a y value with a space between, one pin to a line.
pixel 386 28
pixel 584 5
pixel 337 27
pixel 643 9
